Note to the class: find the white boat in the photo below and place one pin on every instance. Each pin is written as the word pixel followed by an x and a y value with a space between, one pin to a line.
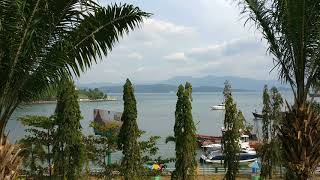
pixel 245 156
pixel 218 107
pixel 213 153
pixel 215 146
pixel 243 142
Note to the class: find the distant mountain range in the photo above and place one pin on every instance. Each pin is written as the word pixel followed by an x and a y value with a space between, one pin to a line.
pixel 201 84
pixel 218 81
pixel 163 88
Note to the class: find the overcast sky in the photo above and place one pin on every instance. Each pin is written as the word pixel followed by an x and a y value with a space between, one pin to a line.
pixel 185 38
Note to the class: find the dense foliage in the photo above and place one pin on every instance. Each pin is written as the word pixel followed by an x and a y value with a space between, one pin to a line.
pixel 68 149
pixel 42 41
pixel 292 31
pixel 265 149
pixel 185 136
pixel 97 150
pixel 233 122
pixel 54 146
pixel 92 94
pixel 37 145
pixel 270 150
pixel 51 94
pixel 129 134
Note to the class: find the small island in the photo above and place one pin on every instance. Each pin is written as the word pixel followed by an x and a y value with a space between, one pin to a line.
pixel 95 94
pixel 84 95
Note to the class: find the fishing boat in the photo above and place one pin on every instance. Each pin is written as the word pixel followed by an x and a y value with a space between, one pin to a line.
pixel 216 157
pixel 218 107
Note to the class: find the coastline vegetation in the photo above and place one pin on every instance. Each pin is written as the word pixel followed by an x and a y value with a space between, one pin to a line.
pixel 54 146
pixel 90 94
pixel 45 44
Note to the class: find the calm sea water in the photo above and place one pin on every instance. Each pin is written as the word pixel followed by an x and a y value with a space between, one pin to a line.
pixel 155 114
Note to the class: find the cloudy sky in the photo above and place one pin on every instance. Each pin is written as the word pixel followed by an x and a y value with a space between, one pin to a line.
pixel 185 38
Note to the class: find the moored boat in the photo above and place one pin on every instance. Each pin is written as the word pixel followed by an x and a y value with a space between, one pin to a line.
pixel 205 139
pixel 256 115
pixel 218 107
pixel 216 157
pixel 213 152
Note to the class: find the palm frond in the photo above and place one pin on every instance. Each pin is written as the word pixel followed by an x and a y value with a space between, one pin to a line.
pixel 96 34
pixel 292 29
pixel 44 41
pixel 10 159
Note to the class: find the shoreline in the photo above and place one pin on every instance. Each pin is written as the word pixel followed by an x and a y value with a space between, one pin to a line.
pixel 80 100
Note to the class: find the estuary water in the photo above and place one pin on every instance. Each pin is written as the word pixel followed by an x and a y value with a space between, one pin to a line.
pixel 155 114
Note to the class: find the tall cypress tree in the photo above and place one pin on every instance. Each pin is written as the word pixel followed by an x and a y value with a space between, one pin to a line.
pixel 265 151
pixel 270 151
pixel 68 147
pixel 276 118
pixel 184 132
pixel 266 110
pixel 275 115
pixel 129 134
pixel 231 135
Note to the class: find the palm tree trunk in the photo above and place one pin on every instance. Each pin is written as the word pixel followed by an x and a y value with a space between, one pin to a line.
pixel 49 161
pixel 7 112
pixel 48 157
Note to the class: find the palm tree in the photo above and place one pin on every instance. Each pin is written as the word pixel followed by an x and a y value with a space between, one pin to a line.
pixel 42 41
pixel 292 30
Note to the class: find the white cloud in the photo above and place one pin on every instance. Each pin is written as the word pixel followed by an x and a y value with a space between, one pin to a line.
pixel 176 56
pixel 157 33
pixel 199 43
pixel 135 55
pixel 156 25
pixel 214 47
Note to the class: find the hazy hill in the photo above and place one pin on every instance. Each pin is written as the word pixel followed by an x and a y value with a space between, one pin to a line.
pixel 201 84
pixel 236 82
pixel 162 88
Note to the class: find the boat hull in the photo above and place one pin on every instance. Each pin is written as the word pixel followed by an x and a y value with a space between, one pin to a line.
pixel 217 108
pixel 249 159
pixel 221 161
pixel 256 115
